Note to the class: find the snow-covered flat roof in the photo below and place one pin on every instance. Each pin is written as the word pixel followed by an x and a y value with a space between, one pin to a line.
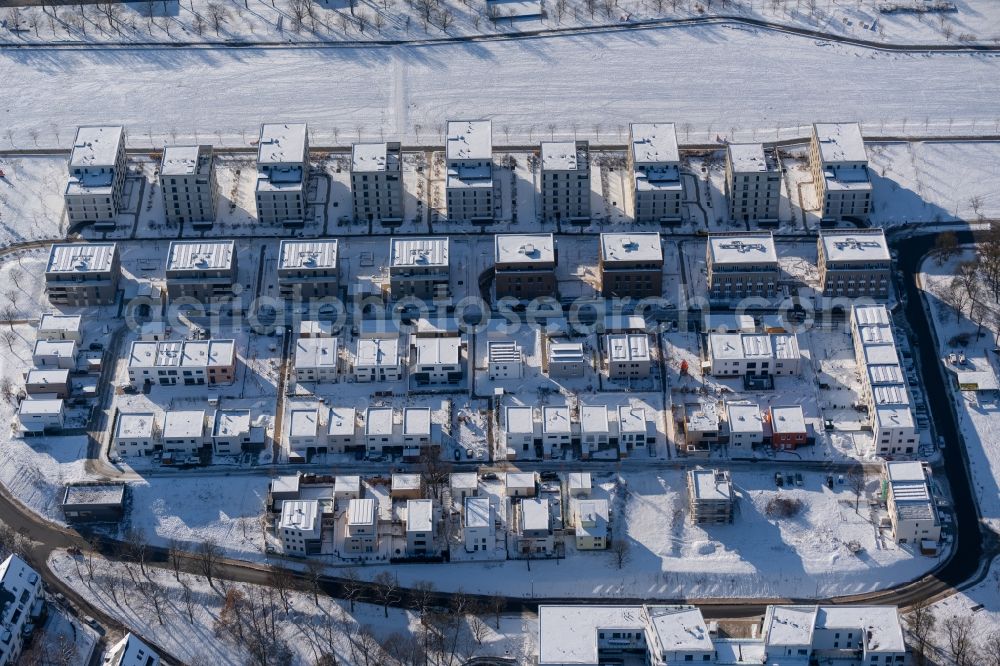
pixel 535 513
pixel 787 419
pixel 789 625
pixel 749 158
pixel 710 484
pixel 869 315
pixel 231 422
pixel 632 419
pixel 890 394
pixel 282 143
pixel 81 257
pixel 182 160
pixel 654 143
pixel 743 248
pixel 419 515
pixel 41 406
pixel 478 512
pixel 51 323
pixel 563 156
pixel 105 493
pixel 519 479
pixel 470 140
pixel 628 347
pixel 524 249
pixel 568 634
pixel 316 352
pixel 438 351
pixel 342 421
pixel 303 422
pixel 374 158
pixel 96 146
pixel 299 514
pixel 680 628
pixel 319 254
pixel 744 417
pixel 566 352
pixel 134 425
pixel 701 416
pixel 463 480
pixel 186 423
pixel 47 376
pixel 592 517
pixel 419 252
pixel 555 420
pixel 594 419
pixel 343 483
pixel 579 480
pixel 187 353
pixel 855 246
pixel 200 255
pixel 417 421
pixel 361 511
pixel 56 348
pixel 406 482
pixel 894 416
pixel 640 246
pixel 374 352
pixel 519 420
pixel 879 625
pixel 500 351
pixel 378 421
pixel 885 374
pixel 840 142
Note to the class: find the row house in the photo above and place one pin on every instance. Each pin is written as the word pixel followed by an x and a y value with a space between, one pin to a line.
pixel 628 356
pixel 437 361
pixel 188 362
pixel 410 436
pixel 753 354
pixel 378 360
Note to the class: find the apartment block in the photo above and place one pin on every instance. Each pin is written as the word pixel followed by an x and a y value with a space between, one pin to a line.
pixel 631 265
pixel 742 265
pixel 23 604
pixel 839 166
pixel 309 269
pixel 710 496
pixel 753 183
pixel 96 176
pixel 282 173
pixel 525 265
pixel 202 271
pixel 131 651
pixel 565 176
pixel 654 165
pixel 82 274
pixel 188 362
pixel 419 267
pixel 188 184
pixel 469 161
pixel 854 263
pixel 377 181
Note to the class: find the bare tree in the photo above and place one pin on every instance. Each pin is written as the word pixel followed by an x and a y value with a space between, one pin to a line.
pixel 9 336
pixel 208 559
pixel 497 604
pixel 478 628
pixel 281 580
pixel 621 552
pixel 856 482
pixel 217 15
pixel 188 598
pixel 6 386
pixel 920 622
pixel 175 551
pixel 959 633
pixel 989 649
pixel 136 545
pixel 351 587
pixel 314 579
pixel 386 590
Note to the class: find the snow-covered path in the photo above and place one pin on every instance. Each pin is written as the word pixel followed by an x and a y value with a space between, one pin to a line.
pixel 715 78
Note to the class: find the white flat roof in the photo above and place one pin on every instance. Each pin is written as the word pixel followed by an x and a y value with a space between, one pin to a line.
pixel 519 480
pixel 840 142
pixel 894 416
pixel 342 421
pixel 134 425
pixel 701 416
pixel 377 352
pixel 519 420
pixel 438 351
pixel 470 140
pixel 179 160
pixel 81 257
pixel 282 143
pixel 183 423
pixel 561 156
pixel 299 515
pixel 744 417
pixel 746 248
pixel 879 625
pixel 579 480
pixel 631 247
pixel 96 145
pixel 524 248
pixel 316 352
pixel 406 482
pixel 417 421
pixel 747 157
pixel 628 347
pixel 361 512
pixel 632 419
pixel 378 421
pixel 555 420
pixel 419 515
pixel 40 406
pixel 854 246
pixel 310 255
pixel 59 322
pixel 535 513
pixel 565 352
pixel 654 143
pixel 905 471
pixel 406 252
pixel 373 158
pixel 463 480
pixel 868 315
pixel 200 255
pixel 231 422
pixel 789 625
pixel 502 351
pixel 568 634
pixel 594 419
pixel 788 419
pixel 478 512
pixel 680 628
pixel 303 422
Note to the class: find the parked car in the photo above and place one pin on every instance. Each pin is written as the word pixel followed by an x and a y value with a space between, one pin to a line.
pixel 779 480
pixel 549 476
pixel 489 476
pixel 798 479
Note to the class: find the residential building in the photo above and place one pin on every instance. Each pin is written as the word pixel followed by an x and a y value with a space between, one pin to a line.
pixel 96 176
pixel 419 267
pixel 525 265
pixel 701 427
pixel 469 162
pixel 347 486
pixel 654 165
pixel 406 486
pixel 316 359
pixel 746 426
pixel 187 180
pixel 131 651
pixel 22 603
pixel 849 635
pixel 520 431
pixel 55 381
pixel 590 635
pixel 379 430
pixel 565 359
pixel 41 413
pixel 788 429
pixel 282 174
pixel 420 527
pixel 631 265
pixel 377 181
pixel 504 360
pixel 534 537
pixel 55 354
pixel 377 360
pixel 361 532
pixel 519 484
pixel 753 183
pixel 136 434
pixel 53 326
pixel 188 362
pixel 233 432
pixel 82 274
pixel 591 522
pixel 462 485
pixel 309 269
pixel 94 503
pixel 556 430
pixel 437 361
pixel 579 484
pixel 479 530
pixel 202 271
pixel 340 436
pixel 316 329
pixel 303 430
pixel 710 496
pixel 628 356
pixel 839 166
pixel 300 528
pixel 742 265
pixel 183 430
pixel 912 510
pixel 753 354
pixel 416 435
pixel 595 431
pixel 565 180
pixel 854 263
pixel 634 429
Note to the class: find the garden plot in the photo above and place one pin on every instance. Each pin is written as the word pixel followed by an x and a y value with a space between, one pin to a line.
pixel 31 201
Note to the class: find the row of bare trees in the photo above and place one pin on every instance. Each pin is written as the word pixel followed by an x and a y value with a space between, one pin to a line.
pixel 974 290
pixel 955 640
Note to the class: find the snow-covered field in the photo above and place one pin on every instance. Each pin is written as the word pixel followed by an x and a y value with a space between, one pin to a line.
pixel 713 79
